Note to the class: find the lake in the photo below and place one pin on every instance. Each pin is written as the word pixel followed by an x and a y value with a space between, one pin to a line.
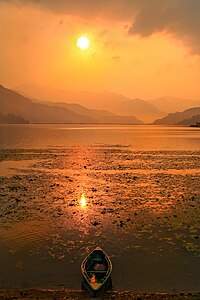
pixel 132 190
pixel 138 137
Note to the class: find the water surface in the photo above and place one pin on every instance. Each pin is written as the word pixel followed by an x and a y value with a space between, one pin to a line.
pixel 139 137
pixel 133 190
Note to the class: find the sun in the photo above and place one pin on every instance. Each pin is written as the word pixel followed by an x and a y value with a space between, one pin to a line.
pixel 83 42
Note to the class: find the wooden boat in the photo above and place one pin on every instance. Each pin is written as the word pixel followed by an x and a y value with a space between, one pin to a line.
pixel 96 270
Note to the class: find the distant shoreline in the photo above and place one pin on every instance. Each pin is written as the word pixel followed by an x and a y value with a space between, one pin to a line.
pixel 41 123
pixel 100 124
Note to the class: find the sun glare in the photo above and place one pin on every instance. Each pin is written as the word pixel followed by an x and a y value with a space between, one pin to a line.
pixel 83 42
pixel 83 201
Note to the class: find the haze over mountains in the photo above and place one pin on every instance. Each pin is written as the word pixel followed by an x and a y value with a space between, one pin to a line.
pixel 118 104
pixel 170 104
pixel 47 105
pixel 146 110
pixel 35 112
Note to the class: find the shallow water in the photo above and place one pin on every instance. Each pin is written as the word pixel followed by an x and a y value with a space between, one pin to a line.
pixel 141 204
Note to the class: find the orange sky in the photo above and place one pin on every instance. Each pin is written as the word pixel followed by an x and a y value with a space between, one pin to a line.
pixel 138 50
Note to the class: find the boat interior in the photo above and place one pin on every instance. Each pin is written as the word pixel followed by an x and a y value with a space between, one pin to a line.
pixel 97 265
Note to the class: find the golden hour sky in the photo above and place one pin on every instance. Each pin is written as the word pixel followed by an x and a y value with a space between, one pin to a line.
pixel 138 48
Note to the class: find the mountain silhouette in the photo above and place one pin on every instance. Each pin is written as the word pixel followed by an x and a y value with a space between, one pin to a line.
pixel 179 117
pixel 35 112
pixel 116 103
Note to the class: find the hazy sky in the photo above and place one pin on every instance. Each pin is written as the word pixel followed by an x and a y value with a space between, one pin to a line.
pixel 139 48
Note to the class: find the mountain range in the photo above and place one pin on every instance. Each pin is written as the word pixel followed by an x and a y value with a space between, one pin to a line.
pixel 146 110
pixel 102 107
pixel 35 112
pixel 116 103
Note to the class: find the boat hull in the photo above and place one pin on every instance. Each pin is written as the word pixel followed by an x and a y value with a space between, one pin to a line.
pixel 96 293
pixel 96 272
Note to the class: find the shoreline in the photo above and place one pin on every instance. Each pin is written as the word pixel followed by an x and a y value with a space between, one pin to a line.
pixel 43 294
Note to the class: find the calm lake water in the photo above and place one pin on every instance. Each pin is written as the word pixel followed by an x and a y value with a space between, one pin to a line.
pixel 138 137
pixel 132 190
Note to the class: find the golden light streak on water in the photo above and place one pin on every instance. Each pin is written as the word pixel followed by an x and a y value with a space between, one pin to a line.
pixel 83 201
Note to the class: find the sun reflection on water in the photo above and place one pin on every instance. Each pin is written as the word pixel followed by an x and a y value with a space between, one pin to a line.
pixel 83 201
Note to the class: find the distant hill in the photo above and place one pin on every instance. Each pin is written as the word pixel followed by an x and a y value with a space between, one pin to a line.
pixel 179 117
pixel 169 104
pixel 13 103
pixel 101 116
pixel 79 109
pixel 141 108
pixel 12 119
pixel 116 103
pixel 190 121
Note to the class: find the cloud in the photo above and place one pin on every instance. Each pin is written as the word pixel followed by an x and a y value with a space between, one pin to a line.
pixel 115 9
pixel 179 18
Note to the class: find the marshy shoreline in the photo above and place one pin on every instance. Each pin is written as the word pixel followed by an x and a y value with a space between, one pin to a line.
pixel 78 294
pixel 141 207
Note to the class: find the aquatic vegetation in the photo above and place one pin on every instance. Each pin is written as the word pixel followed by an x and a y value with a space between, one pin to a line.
pixel 128 201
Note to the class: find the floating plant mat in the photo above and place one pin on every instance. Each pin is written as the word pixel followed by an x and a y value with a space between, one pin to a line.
pixel 142 207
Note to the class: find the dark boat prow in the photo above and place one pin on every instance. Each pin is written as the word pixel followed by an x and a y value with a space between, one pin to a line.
pixel 96 272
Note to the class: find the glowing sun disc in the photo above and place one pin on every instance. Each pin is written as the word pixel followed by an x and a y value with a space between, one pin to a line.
pixel 83 42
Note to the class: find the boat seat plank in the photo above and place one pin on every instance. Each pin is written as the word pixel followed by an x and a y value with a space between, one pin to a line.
pixel 96 271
